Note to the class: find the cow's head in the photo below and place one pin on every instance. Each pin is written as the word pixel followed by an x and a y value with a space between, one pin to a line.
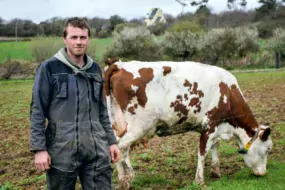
pixel 255 151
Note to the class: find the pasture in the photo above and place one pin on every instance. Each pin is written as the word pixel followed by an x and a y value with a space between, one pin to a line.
pixel 23 50
pixel 169 162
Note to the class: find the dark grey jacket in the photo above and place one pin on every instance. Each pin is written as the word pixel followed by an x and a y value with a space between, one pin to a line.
pixel 69 116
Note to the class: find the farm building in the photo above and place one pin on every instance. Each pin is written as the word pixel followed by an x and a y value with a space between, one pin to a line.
pixel 155 16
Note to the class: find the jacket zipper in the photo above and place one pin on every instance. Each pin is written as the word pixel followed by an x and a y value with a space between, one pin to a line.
pixel 77 113
pixel 89 102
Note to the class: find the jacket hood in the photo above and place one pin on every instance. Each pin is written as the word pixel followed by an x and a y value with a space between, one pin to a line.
pixel 63 57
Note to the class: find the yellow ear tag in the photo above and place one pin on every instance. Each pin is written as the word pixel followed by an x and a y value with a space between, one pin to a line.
pixel 247 146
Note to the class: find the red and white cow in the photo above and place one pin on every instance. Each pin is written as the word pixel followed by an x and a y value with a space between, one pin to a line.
pixel 174 97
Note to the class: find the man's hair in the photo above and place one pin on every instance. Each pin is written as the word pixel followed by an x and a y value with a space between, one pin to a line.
pixel 77 23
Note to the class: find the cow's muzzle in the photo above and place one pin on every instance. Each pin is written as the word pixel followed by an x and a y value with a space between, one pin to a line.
pixel 259 172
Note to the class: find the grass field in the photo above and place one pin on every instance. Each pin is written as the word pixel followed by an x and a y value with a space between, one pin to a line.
pixel 22 50
pixel 169 162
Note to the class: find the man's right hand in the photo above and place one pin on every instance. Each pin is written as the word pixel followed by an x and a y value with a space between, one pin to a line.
pixel 42 160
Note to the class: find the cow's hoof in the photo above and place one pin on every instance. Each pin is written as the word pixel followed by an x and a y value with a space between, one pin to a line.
pixel 199 181
pixel 124 185
pixel 216 173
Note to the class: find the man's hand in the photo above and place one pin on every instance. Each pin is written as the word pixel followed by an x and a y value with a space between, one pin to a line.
pixel 42 160
pixel 115 153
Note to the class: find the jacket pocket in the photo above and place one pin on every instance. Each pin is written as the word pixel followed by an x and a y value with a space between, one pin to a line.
pixel 96 86
pixel 61 85
pixel 50 134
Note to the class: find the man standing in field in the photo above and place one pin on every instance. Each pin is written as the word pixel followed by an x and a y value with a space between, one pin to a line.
pixel 78 139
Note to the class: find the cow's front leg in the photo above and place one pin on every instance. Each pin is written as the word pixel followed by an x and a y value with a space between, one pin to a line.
pixel 205 145
pixel 215 161
pixel 126 173
pixel 125 170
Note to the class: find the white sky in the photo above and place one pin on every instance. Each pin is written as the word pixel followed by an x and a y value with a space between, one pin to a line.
pixel 40 10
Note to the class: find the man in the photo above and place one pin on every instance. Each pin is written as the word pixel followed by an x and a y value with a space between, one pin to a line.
pixel 78 139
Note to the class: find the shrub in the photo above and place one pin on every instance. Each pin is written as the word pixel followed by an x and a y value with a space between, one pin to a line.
pixel 121 26
pixel 180 45
pixel 266 28
pixel 104 33
pixel 186 26
pixel 277 42
pixel 226 45
pixel 158 29
pixel 134 44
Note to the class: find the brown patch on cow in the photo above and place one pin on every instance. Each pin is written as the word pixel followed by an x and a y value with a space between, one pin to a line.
pixel 119 132
pixel 166 70
pixel 142 141
pixel 120 82
pixel 243 116
pixel 186 97
pixel 235 111
pixel 187 84
pixel 179 106
pixel 136 106
pixel 132 110
pixel 194 102
pixel 193 90
pixel 146 76
pixel 181 120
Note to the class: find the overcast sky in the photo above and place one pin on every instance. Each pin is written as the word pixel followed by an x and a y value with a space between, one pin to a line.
pixel 40 10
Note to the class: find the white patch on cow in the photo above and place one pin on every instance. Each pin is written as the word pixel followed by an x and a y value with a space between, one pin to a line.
pixel 134 88
pixel 225 99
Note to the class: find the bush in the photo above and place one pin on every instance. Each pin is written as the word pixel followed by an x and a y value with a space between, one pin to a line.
pixel 158 29
pixel 17 69
pixel 121 26
pixel 227 45
pixel 105 33
pixel 266 28
pixel 277 42
pixel 134 44
pixel 186 26
pixel 180 45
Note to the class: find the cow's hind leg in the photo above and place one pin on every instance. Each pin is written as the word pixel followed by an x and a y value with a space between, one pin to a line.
pixel 204 147
pixel 215 161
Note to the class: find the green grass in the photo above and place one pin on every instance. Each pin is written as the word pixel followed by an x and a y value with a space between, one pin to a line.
pixel 22 50
pixel 15 50
pixel 244 179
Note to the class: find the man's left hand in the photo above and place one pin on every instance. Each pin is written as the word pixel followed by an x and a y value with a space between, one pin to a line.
pixel 115 153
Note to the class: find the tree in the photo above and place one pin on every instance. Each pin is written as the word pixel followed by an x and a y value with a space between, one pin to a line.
pixel 199 3
pixel 115 20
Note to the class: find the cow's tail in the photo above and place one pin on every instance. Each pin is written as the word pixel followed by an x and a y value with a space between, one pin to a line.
pixel 107 77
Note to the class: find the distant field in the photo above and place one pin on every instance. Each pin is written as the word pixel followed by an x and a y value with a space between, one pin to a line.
pixel 22 50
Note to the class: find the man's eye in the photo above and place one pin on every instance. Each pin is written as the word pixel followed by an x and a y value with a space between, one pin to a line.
pixel 83 37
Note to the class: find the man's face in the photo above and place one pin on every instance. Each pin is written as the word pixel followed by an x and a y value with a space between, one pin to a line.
pixel 76 40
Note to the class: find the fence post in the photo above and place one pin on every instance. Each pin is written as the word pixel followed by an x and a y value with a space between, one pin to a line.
pixel 277 60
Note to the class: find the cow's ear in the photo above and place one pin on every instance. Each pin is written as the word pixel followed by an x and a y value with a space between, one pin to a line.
pixel 110 61
pixel 264 135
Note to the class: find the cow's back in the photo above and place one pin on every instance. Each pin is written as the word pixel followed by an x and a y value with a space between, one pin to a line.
pixel 178 91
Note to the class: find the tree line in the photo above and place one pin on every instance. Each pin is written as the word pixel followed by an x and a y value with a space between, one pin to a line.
pixel 268 16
